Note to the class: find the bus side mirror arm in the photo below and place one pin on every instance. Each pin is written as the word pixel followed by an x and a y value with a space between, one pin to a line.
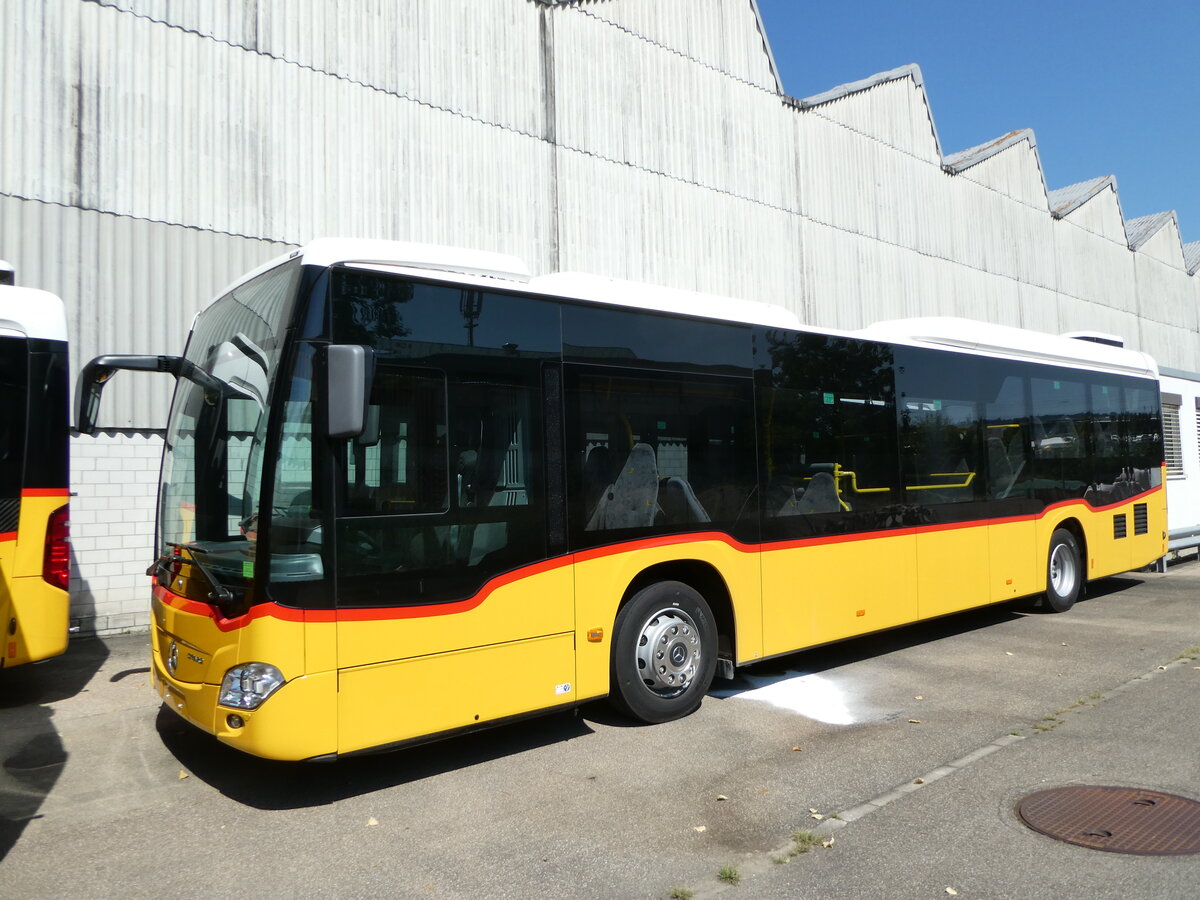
pixel 349 370
pixel 97 373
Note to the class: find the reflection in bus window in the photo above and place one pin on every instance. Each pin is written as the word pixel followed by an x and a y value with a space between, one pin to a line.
pixel 1007 444
pixel 655 453
pixel 829 436
pixel 443 490
pixel 941 455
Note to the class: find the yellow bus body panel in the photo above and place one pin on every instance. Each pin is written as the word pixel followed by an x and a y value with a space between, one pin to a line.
pixel 538 601
pixel 827 590
pixel 1016 559
pixel 953 570
pixel 411 698
pixel 413 671
pixel 34 615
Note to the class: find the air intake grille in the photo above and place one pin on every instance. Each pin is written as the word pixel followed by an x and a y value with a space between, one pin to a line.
pixel 1119 526
pixel 1141 518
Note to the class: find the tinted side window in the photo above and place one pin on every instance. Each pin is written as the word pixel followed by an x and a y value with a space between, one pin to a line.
pixel 1143 434
pixel 399 466
pixel 1061 422
pixel 1107 446
pixel 654 454
pixel 827 416
pixel 1008 445
pixel 445 490
pixel 411 320
pixel 942 448
pixel 646 340
pixel 49 408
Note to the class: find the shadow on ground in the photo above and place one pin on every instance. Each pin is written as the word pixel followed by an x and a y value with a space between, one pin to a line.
pixel 32 755
pixel 267 784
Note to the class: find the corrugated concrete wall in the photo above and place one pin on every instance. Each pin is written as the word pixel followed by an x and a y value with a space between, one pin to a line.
pixel 153 149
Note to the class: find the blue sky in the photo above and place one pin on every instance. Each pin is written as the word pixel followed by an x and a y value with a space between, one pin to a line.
pixel 1109 88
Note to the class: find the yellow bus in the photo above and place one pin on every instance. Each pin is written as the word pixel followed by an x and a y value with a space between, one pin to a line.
pixel 34 399
pixel 408 491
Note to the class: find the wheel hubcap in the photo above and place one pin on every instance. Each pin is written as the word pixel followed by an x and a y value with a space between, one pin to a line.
pixel 668 652
pixel 1062 570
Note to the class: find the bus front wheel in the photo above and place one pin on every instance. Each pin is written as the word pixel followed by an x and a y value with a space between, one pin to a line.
pixel 1064 571
pixel 664 653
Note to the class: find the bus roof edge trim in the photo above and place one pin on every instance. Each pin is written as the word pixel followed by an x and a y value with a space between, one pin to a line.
pixel 402 254
pixel 655 298
pixel 1006 341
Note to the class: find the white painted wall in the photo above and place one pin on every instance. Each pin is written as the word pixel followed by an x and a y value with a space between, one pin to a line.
pixel 1183 492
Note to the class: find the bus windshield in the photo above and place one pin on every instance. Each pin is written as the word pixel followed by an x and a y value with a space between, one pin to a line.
pixel 213 461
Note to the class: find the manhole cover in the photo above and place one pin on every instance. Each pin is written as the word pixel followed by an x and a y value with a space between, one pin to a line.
pixel 1120 820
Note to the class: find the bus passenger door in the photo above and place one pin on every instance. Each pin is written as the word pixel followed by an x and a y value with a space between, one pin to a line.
pixel 449 614
pixel 943 468
pixel 838 559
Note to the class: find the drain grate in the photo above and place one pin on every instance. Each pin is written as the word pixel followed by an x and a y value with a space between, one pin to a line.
pixel 1120 820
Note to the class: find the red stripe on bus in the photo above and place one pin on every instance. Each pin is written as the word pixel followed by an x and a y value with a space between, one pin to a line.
pixel 372 614
pixel 8 535
pixel 45 492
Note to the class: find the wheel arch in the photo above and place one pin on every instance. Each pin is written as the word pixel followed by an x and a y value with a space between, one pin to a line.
pixel 1075 527
pixel 707 580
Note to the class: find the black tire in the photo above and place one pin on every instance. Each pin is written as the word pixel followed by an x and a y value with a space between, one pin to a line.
pixel 658 685
pixel 1064 572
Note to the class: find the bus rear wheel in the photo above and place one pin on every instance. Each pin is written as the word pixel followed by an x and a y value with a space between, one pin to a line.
pixel 664 653
pixel 1064 572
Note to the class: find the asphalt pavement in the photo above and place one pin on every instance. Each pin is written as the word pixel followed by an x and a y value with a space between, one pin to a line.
pixel 905 753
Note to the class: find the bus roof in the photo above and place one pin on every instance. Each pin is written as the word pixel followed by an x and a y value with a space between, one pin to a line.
pixel 485 269
pixel 1011 343
pixel 28 312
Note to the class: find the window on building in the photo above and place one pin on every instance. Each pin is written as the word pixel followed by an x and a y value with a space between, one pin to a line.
pixel 1172 444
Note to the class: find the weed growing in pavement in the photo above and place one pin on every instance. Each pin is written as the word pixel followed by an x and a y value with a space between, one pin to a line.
pixel 729 875
pixel 682 893
pixel 804 840
pixel 1190 653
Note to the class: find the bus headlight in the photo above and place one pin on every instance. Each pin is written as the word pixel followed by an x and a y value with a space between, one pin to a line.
pixel 249 685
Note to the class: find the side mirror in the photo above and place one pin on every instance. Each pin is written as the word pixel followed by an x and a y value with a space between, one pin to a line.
pixel 100 370
pixel 349 370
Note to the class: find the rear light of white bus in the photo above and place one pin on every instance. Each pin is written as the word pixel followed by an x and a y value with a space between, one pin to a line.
pixel 56 564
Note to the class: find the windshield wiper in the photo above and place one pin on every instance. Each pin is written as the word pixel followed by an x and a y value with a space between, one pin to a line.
pixel 219 592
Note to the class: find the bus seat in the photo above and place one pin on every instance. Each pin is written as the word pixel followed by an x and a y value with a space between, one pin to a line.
pixel 790 506
pixel 1005 464
pixel 632 500
pixel 597 476
pixel 679 502
pixel 820 496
